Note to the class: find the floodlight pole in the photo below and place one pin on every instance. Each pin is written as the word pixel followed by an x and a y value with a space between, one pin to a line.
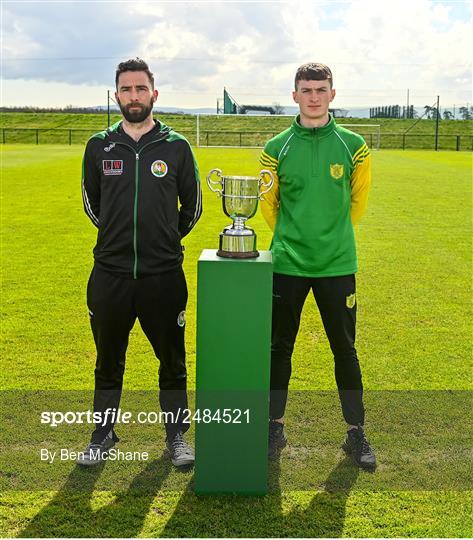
pixel 197 134
pixel 108 108
pixel 437 125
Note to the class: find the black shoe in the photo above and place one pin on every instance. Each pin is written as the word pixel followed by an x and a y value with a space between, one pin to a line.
pixel 182 454
pixel 359 449
pixel 277 439
pixel 94 453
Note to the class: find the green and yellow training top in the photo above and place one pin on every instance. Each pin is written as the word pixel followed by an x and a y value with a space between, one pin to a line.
pixel 322 180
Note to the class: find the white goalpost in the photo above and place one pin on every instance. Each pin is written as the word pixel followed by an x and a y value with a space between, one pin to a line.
pixel 370 132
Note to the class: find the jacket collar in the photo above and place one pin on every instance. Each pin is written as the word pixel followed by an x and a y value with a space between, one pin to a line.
pixel 310 133
pixel 158 132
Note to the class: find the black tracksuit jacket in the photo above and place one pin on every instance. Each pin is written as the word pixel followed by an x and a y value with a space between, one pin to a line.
pixel 131 192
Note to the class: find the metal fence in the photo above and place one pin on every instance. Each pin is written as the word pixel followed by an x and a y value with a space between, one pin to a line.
pixel 241 139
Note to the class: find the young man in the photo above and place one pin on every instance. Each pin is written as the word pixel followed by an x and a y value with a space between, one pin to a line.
pixel 134 175
pixel 323 177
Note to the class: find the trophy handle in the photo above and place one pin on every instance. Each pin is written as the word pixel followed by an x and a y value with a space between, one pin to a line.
pixel 211 183
pixel 266 186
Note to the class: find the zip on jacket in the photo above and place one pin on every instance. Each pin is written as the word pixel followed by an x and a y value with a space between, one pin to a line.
pixel 143 197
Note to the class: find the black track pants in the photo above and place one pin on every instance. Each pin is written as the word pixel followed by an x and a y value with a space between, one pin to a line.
pixel 158 302
pixel 335 302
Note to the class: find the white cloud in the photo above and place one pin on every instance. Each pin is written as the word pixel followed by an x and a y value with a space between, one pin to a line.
pixel 376 49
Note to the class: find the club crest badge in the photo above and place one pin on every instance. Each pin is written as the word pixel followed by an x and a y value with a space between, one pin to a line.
pixel 181 319
pixel 336 171
pixel 112 166
pixel 159 168
pixel 351 300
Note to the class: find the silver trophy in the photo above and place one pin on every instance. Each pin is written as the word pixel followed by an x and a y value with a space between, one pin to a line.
pixel 240 196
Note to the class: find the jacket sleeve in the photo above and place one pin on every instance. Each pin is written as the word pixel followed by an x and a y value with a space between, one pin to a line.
pixel 91 185
pixel 360 183
pixel 270 201
pixel 189 192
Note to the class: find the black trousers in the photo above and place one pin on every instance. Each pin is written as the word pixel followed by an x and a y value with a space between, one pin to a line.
pixel 159 303
pixel 336 300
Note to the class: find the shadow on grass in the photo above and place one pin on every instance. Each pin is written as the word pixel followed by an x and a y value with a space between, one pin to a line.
pixel 238 516
pixel 70 513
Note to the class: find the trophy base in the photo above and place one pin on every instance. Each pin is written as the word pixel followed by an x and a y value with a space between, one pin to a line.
pixel 237 254
pixel 235 245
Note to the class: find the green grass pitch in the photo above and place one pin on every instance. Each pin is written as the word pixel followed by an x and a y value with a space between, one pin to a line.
pixel 414 332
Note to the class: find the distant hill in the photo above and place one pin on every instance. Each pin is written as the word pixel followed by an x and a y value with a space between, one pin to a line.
pixel 348 112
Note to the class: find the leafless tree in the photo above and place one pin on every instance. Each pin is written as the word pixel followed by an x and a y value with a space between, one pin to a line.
pixel 278 108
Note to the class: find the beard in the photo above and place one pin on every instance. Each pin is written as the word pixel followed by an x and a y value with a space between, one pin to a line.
pixel 136 116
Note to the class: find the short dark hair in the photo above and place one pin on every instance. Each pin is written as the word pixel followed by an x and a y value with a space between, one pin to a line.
pixel 134 64
pixel 313 72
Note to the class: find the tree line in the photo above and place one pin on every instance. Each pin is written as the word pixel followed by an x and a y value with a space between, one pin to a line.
pixel 466 113
pixel 68 109
pixel 394 111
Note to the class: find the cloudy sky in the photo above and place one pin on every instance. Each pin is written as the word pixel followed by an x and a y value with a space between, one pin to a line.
pixel 56 53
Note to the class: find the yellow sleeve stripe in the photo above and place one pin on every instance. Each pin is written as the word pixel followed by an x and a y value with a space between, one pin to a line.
pixel 362 150
pixel 361 155
pixel 268 164
pixel 268 159
pixel 360 159
pixel 271 158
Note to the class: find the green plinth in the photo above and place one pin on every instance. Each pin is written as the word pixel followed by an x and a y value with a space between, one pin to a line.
pixel 234 299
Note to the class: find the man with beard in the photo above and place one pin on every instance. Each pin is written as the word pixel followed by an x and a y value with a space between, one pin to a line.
pixel 141 189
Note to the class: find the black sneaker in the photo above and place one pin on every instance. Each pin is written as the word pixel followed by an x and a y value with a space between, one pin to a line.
pixel 182 454
pixel 277 439
pixel 94 453
pixel 359 449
